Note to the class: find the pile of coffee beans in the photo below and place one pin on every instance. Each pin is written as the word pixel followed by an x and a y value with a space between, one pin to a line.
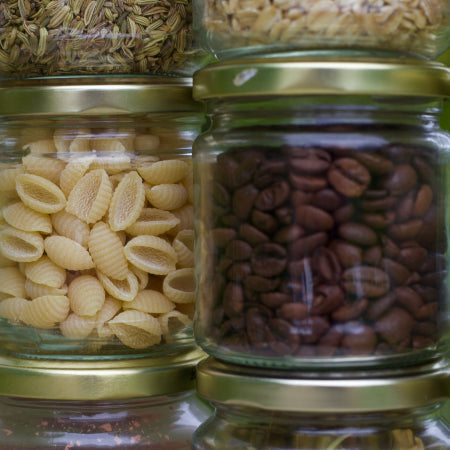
pixel 321 252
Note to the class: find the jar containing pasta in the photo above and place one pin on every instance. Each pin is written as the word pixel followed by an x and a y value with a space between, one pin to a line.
pixel 96 239
pixel 240 29
pixel 76 37
pixel 321 211
pixel 63 405
pixel 266 410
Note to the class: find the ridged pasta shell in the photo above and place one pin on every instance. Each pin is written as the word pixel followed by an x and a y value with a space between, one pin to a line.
pixel 77 327
pixel 183 244
pixel 67 253
pixel 107 145
pixel 11 308
pixel 90 197
pixel 70 226
pixel 109 309
pixel 124 290
pixel 49 168
pixel 188 183
pixel 46 311
pixel 75 169
pixel 136 329
pixel 167 196
pixel 185 215
pixel 149 301
pixel 21 246
pixel 80 144
pixel 141 275
pixel 34 290
pixel 23 218
pixel 112 163
pixel 8 178
pixel 41 147
pixel 107 251
pixel 127 202
pixel 153 221
pixel 179 286
pixel 152 254
pixel 173 321
pixel 146 142
pixel 45 271
pixel 164 172
pixel 40 194
pixel 86 295
pixel 12 282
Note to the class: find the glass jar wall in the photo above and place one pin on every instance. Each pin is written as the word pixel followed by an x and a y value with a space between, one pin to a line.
pixel 266 411
pixel 321 213
pixel 230 29
pixel 97 238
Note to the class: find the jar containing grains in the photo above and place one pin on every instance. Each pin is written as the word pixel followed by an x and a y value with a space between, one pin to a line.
pixel 96 406
pixel 67 37
pixel 234 29
pixel 262 410
pixel 96 240
pixel 321 213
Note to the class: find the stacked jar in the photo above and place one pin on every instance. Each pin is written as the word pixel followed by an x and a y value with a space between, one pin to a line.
pixel 321 224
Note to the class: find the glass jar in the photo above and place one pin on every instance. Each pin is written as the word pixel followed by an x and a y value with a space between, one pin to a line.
pixel 265 410
pixel 230 29
pixel 116 406
pixel 97 235
pixel 321 213
pixel 45 38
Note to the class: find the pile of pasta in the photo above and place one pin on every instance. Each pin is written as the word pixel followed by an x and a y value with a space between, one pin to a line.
pixel 97 241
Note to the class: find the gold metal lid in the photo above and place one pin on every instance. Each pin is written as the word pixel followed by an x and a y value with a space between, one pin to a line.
pixel 98 380
pixel 288 391
pixel 96 95
pixel 259 77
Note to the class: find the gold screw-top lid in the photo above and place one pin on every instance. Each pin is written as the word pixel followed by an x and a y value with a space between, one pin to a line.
pixel 93 96
pixel 268 389
pixel 99 380
pixel 259 77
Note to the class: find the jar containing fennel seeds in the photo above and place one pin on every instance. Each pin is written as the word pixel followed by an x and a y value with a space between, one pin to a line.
pixel 76 37
pixel 264 410
pixel 321 213
pixel 232 29
pixel 97 237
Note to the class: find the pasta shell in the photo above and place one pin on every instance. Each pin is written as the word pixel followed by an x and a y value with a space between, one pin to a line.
pixel 173 321
pixel 124 290
pixel 153 221
pixel 8 178
pixel 12 282
pixel 185 215
pixel 34 290
pixel 112 163
pixel 109 309
pixel 183 244
pixel 136 329
pixel 70 226
pixel 46 311
pixel 40 194
pixel 149 301
pixel 77 327
pixel 11 308
pixel 46 272
pixel 49 168
pixel 141 275
pixel 127 202
pixel 68 254
pixel 146 142
pixel 179 286
pixel 90 197
pixel 80 144
pixel 107 251
pixel 23 218
pixel 73 172
pixel 152 254
pixel 188 183
pixel 167 196
pixel 21 246
pixel 107 145
pixel 86 295
pixel 164 172
pixel 41 147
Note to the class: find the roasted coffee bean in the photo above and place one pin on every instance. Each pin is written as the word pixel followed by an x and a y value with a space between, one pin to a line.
pixel 401 179
pixel 312 328
pixel 378 220
pixel 252 235
pixel 238 272
pixel 326 299
pixel 345 213
pixel 299 197
pixel 390 249
pixel 405 231
pixel 398 274
pixel 233 300
pixel 268 172
pixel 258 331
pixel 330 342
pixel 357 233
pixel 284 215
pixel 222 236
pixel 381 202
pixel 293 311
pixel 274 299
pixel 263 221
pixel 394 326
pixel 245 171
pixel 300 269
pixel 287 340
pixel 243 200
pixel 326 265
pixel 288 234
pixel 376 164
pixel 230 220
pixel 350 311
pixel 268 260
pixel 307 183
pixel 257 283
pixel 306 245
pixel 349 255
pixel 373 255
pixel 423 200
pixel 366 281
pixel 238 250
pixel 313 218
pixel 378 307
pixel 326 199
pixel 221 195
pixel 412 255
pixel 311 161
pixel 427 174
pixel 359 339
pixel 349 177
pixel 273 196
pixel 408 299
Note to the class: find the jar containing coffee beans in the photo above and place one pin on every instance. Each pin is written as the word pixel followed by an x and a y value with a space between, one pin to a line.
pixel 96 240
pixel 120 406
pixel 321 213
pixel 263 409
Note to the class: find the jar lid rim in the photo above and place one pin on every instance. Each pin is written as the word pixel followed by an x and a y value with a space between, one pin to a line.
pixel 99 379
pixel 288 391
pixel 259 77
pixel 96 95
